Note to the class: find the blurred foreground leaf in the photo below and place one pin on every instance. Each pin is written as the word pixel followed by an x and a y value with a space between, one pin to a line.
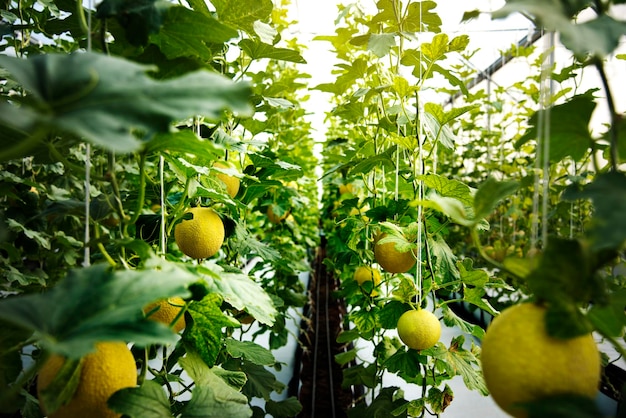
pixel 105 100
pixel 96 304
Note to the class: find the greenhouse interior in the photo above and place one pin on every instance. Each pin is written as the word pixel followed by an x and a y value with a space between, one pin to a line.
pixel 312 208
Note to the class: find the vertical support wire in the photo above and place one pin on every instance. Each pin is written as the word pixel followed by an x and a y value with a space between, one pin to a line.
pixel 548 93
pixel 87 238
pixel 420 182
pixel 162 193
pixel 542 162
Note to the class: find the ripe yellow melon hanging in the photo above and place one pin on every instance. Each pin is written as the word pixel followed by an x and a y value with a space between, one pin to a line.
pixel 167 311
pixel 232 183
pixel 367 274
pixel 202 236
pixel 392 260
pixel 522 363
pixel 110 368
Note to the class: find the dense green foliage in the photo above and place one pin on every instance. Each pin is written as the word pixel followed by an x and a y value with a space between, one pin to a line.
pixel 111 120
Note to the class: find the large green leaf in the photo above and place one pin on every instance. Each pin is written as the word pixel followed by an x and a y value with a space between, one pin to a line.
pixel 569 128
pixel 211 396
pixel 261 382
pixel 104 99
pixel 289 407
pixel 96 304
pixel 251 351
pixel 257 50
pixel 139 18
pixel 186 33
pixel 242 14
pixel 489 194
pixel 146 401
pixel 598 36
pixel 459 361
pixel 243 293
pixel 607 229
pixel 205 336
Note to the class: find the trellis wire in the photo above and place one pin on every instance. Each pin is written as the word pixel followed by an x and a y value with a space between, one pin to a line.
pixel 420 182
pixel 542 162
pixel 87 252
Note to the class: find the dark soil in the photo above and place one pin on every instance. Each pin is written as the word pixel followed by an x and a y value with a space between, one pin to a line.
pixel 317 377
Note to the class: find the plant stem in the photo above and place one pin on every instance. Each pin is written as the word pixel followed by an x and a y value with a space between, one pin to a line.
pixel 614 156
pixel 142 188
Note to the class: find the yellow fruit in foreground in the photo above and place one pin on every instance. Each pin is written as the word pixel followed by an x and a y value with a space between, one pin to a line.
pixel 392 260
pixel 522 363
pixel 202 236
pixel 110 368
pixel 275 219
pixel 232 183
pixel 419 329
pixel 367 274
pixel 167 310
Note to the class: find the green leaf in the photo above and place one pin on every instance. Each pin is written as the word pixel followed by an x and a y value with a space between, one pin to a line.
pixel 437 48
pixel 607 228
pixel 598 36
pixel 563 272
pixel 205 336
pixel 211 396
pixel 40 238
pixel 610 319
pixel 451 319
pixel 389 403
pixel 235 379
pixel 242 14
pixel 489 194
pixel 439 399
pixel 365 321
pixel 63 386
pixel 422 18
pixel 569 128
pixel 475 296
pixel 186 33
pixel 286 408
pixel 243 293
pixel 257 50
pixel 346 357
pixel 104 98
pixel 261 382
pixel 95 304
pixel 390 313
pixel 148 400
pixel 346 336
pixel 448 187
pixel 359 375
pixel 251 351
pixel 470 276
pixel 406 363
pixel 459 361
pixel 138 18
pixel 381 44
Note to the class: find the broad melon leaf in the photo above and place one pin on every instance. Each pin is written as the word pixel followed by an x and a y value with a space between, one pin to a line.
pixel 242 14
pixel 97 304
pixel 146 401
pixel 212 397
pixel 104 99
pixel 257 50
pixel 205 336
pixel 242 293
pixel 251 351
pixel 186 33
